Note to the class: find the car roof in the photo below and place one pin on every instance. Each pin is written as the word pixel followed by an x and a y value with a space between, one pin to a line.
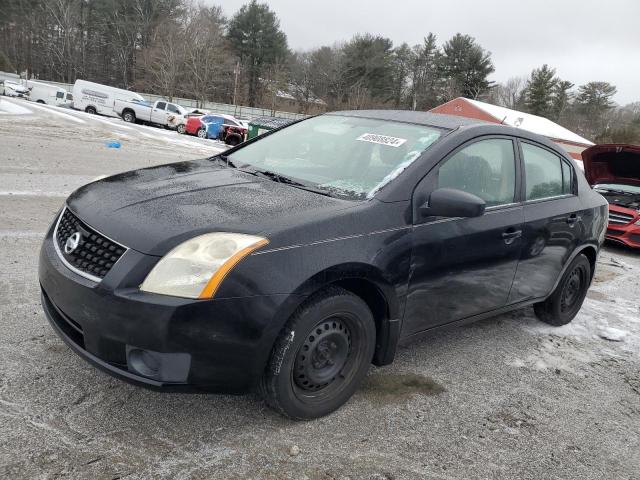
pixel 439 120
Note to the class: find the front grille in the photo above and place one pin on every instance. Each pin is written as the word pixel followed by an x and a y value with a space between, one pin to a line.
pixel 618 218
pixel 634 237
pixel 94 255
pixel 612 232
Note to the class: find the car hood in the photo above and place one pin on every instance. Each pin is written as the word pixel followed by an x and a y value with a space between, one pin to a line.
pixel 154 209
pixel 612 163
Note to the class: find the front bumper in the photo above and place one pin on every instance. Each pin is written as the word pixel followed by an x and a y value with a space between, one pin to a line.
pixel 217 345
pixel 628 234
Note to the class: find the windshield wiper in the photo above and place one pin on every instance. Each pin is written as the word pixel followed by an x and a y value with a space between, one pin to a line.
pixel 276 177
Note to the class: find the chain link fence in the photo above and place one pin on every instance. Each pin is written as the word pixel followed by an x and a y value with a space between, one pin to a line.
pixel 238 111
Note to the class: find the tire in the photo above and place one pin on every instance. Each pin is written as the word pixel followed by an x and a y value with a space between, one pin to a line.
pixel 321 356
pixel 566 300
pixel 201 133
pixel 40 101
pixel 129 116
pixel 181 129
pixel 233 140
pixel 91 110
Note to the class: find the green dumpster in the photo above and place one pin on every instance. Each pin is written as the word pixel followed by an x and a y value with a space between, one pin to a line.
pixel 261 125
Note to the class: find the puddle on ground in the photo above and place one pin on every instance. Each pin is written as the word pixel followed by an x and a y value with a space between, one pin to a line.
pixel 599 296
pixel 603 276
pixel 389 388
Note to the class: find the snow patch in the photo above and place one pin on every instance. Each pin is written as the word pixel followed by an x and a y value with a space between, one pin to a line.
pixel 10 108
pixel 612 334
pixel 53 111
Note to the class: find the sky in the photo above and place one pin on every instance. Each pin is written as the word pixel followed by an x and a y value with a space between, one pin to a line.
pixel 584 40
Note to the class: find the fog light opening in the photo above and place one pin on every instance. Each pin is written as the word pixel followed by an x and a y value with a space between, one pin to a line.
pixel 143 362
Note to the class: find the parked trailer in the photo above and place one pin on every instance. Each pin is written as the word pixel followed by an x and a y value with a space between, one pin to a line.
pixel 96 98
pixel 50 94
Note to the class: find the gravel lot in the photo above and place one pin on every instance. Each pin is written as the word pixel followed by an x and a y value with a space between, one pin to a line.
pixel 507 397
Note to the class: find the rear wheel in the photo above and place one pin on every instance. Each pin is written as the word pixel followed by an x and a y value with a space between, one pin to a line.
pixel 321 356
pixel 91 110
pixel 202 133
pixel 566 300
pixel 129 116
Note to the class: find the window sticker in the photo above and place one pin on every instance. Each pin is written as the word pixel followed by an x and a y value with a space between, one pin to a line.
pixel 381 139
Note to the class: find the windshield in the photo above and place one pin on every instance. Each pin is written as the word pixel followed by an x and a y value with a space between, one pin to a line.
pixel 345 156
pixel 634 189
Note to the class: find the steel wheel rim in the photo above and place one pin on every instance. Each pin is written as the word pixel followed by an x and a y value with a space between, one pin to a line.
pixel 323 355
pixel 572 290
pixel 329 383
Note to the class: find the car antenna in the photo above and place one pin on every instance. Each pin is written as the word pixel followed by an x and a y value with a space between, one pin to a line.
pixel 502 122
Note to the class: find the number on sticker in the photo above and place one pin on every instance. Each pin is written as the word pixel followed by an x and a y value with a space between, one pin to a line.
pixel 381 139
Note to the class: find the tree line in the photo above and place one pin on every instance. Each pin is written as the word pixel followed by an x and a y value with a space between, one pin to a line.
pixel 177 48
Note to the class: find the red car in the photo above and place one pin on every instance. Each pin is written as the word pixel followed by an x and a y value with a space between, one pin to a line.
pixel 614 172
pixel 216 127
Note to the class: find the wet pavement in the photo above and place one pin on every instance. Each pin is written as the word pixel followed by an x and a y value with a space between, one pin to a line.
pixel 507 397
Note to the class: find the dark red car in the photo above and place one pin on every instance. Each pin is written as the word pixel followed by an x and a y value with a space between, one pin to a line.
pixel 614 172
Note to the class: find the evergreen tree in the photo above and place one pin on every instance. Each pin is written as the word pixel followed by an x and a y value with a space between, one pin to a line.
pixel 426 75
pixel 467 66
pixel 539 93
pixel 368 73
pixel 255 35
pixel 561 98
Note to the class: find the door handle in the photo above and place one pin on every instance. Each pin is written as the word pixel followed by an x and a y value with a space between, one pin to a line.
pixel 573 218
pixel 510 235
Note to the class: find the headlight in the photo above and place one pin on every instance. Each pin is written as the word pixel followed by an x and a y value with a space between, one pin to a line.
pixel 197 267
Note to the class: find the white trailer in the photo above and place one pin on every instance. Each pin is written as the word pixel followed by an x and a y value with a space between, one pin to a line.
pixel 96 98
pixel 50 94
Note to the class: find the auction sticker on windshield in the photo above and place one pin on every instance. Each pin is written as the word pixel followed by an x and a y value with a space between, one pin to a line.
pixel 381 139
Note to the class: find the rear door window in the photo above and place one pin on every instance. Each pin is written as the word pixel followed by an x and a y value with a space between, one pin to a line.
pixel 545 173
pixel 485 168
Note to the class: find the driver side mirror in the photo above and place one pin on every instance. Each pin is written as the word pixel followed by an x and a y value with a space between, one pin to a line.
pixel 450 202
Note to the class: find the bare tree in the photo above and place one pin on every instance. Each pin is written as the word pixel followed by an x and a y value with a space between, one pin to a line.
pixel 510 93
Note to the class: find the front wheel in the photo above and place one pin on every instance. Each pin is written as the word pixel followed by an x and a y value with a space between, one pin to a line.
pixel 566 300
pixel 321 356
pixel 232 140
pixel 181 128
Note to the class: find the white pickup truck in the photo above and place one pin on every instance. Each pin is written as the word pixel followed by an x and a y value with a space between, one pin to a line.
pixel 146 112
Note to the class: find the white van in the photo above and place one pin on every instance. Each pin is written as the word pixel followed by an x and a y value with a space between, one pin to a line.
pixel 50 94
pixel 96 98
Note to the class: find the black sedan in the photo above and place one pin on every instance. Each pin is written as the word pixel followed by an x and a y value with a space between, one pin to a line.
pixel 294 261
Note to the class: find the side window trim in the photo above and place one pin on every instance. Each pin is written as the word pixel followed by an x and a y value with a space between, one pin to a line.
pixel 523 175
